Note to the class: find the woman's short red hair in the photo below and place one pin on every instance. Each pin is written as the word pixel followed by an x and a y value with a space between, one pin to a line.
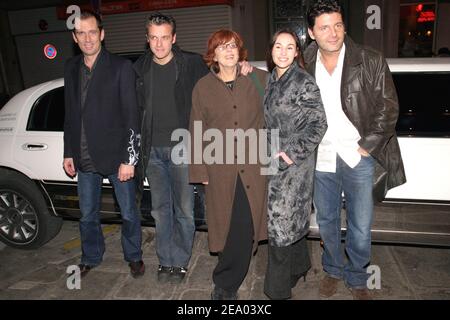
pixel 221 37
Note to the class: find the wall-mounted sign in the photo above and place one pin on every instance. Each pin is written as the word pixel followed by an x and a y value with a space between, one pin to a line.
pixel 50 51
pixel 125 6
pixel 426 16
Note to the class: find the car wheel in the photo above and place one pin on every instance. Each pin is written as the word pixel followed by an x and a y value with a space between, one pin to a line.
pixel 25 221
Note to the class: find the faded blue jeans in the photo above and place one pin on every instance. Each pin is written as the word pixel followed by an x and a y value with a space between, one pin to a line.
pixel 356 184
pixel 92 241
pixel 172 208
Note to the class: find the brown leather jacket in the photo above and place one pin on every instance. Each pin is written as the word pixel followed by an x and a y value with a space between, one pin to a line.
pixel 369 100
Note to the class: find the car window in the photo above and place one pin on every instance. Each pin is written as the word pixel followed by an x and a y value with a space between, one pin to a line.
pixel 3 100
pixel 47 113
pixel 424 100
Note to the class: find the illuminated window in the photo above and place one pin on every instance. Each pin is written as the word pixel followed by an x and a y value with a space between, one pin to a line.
pixel 416 30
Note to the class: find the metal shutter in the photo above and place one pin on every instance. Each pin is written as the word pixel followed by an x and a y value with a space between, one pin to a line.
pixel 27 21
pixel 126 32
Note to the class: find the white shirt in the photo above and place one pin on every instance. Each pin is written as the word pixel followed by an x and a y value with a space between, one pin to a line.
pixel 341 137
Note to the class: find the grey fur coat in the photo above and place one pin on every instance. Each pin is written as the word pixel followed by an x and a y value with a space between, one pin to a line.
pixel 293 105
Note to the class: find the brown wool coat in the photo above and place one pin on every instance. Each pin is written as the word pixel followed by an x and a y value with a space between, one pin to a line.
pixel 218 107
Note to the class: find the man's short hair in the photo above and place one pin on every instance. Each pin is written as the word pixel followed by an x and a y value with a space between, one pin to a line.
pixel 158 19
pixel 320 7
pixel 86 14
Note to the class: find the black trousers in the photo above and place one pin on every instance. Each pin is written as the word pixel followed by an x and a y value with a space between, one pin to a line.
pixel 285 266
pixel 235 258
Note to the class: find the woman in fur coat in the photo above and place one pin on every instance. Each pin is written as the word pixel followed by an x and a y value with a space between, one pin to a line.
pixel 292 105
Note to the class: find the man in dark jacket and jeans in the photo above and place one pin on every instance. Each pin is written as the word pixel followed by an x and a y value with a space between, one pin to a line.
pixel 101 140
pixel 359 147
pixel 166 78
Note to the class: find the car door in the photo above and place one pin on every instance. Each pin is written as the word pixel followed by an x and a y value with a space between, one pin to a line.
pixel 38 149
pixel 423 128
pixel 38 146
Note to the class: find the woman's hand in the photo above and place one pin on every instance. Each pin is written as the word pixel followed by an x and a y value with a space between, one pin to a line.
pixel 246 67
pixel 363 152
pixel 284 157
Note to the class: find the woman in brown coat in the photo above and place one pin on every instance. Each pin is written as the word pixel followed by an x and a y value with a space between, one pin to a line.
pixel 223 101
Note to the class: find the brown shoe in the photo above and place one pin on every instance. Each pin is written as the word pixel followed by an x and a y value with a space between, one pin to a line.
pixel 361 294
pixel 328 286
pixel 84 269
pixel 137 268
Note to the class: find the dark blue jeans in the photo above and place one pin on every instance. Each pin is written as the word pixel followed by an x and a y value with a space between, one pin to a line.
pixel 356 184
pixel 172 208
pixel 92 241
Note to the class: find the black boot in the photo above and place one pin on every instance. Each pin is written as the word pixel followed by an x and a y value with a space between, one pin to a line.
pixel 222 294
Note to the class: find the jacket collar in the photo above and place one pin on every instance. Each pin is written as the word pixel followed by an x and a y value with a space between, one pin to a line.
pixel 285 77
pixel 215 74
pixel 352 55
pixel 142 65
pixel 102 61
pixel 352 52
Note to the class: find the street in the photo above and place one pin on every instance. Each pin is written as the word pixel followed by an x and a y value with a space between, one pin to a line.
pixel 407 272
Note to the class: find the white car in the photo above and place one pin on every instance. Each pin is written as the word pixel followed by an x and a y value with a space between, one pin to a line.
pixel 35 193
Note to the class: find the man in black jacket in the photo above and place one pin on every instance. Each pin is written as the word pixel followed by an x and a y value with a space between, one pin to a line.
pixel 166 78
pixel 102 140
pixel 360 144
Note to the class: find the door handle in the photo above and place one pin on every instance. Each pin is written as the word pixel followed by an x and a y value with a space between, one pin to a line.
pixel 34 146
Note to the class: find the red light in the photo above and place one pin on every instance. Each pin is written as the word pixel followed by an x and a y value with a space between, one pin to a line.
pixel 419 7
pixel 426 16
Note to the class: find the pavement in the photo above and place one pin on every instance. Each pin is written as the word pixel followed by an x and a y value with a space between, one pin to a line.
pixel 407 273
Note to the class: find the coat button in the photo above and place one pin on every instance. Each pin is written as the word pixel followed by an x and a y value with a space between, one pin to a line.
pixel 242 171
pixel 248 187
pixel 236 123
pixel 234 107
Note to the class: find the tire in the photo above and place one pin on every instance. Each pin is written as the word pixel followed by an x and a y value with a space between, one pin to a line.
pixel 25 221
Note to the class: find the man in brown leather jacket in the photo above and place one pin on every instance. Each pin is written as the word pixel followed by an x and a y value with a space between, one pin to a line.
pixel 359 148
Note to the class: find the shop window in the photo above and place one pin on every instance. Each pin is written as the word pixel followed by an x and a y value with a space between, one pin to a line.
pixel 416 31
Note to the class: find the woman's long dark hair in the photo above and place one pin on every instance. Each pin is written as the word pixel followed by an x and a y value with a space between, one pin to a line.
pixel 269 59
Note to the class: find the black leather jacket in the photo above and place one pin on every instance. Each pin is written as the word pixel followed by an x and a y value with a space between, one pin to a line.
pixel 190 67
pixel 369 100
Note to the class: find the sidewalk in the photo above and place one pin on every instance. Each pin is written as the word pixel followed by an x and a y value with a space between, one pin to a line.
pixel 406 272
